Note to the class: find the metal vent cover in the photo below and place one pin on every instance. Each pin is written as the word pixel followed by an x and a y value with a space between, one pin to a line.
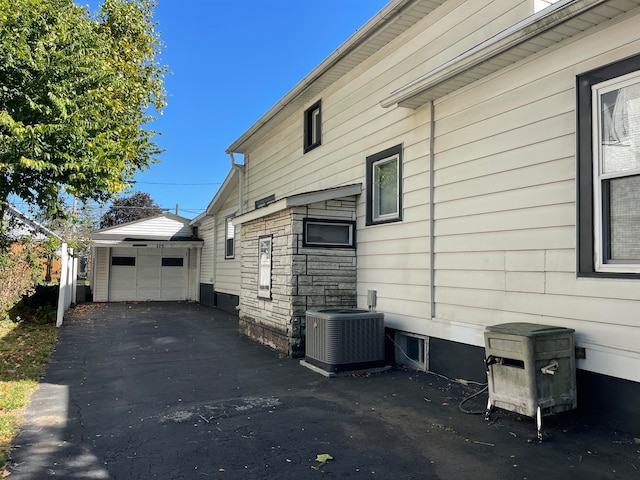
pixel 339 339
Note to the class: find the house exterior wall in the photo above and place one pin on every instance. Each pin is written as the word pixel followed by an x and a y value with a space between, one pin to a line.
pixel 301 277
pixel 504 194
pixel 219 275
pixel 207 232
pixel 227 279
pixel 505 190
pixel 392 259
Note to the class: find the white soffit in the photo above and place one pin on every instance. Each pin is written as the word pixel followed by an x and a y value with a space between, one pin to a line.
pixel 546 28
pixel 393 20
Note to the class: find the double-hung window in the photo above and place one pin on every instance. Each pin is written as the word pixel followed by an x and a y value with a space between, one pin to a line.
pixel 384 186
pixel 313 126
pixel 609 169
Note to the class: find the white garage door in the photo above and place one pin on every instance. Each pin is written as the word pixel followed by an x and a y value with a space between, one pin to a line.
pixel 148 274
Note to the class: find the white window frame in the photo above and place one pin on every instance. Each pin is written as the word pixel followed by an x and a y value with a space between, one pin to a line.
pixel 393 154
pixel 229 234
pixel 265 253
pixel 601 262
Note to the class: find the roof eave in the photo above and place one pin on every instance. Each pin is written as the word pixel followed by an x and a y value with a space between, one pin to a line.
pixel 298 200
pixel 440 80
pixel 381 19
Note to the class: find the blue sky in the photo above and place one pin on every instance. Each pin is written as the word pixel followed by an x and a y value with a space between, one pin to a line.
pixel 230 62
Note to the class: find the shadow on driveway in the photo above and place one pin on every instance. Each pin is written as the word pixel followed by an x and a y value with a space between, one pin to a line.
pixel 172 391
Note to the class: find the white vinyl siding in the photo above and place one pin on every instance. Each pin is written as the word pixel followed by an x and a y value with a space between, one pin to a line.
pixel 207 233
pixel 506 214
pixel 228 269
pixel 100 284
pixel 505 186
pixel 160 226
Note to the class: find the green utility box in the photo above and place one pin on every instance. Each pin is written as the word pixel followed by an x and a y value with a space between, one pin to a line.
pixel 531 369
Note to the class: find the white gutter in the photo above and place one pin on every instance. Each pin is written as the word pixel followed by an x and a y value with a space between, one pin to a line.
pixel 526 29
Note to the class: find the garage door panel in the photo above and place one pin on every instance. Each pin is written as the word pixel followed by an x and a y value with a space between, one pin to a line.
pixel 156 274
pixel 149 260
pixel 177 293
pixel 148 272
pixel 148 294
pixel 121 271
pixel 125 283
pixel 175 282
pixel 147 283
pixel 172 272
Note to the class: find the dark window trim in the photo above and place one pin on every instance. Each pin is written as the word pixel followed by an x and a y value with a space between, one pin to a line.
pixel 585 245
pixel 227 255
pixel 309 144
pixel 371 160
pixel 350 223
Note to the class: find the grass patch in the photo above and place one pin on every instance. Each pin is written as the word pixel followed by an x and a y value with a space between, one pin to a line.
pixel 25 347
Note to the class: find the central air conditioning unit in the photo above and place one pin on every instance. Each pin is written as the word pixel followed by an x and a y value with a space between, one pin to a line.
pixel 342 339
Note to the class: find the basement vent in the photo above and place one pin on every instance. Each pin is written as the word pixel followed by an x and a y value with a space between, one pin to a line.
pixel 342 339
pixel 410 351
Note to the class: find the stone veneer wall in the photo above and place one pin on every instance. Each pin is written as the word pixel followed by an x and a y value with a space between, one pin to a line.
pixel 301 278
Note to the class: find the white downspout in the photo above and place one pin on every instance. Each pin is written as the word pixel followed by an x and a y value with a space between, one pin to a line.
pixel 432 240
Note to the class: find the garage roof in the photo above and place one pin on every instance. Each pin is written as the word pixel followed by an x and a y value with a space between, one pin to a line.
pixel 165 227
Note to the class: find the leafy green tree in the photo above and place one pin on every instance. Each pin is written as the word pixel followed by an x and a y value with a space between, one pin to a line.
pixel 76 94
pixel 127 209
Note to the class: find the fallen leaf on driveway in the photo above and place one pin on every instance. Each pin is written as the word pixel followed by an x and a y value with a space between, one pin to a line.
pixel 323 458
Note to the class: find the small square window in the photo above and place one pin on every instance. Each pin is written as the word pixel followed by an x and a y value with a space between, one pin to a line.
pixel 328 233
pixel 384 186
pixel 229 238
pixel 312 127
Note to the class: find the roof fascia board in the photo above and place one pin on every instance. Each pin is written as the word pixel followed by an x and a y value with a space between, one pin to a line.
pixel 522 31
pixel 299 200
pixel 147 243
pixel 357 39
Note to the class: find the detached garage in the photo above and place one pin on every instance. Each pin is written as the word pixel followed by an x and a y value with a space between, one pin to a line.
pixel 153 259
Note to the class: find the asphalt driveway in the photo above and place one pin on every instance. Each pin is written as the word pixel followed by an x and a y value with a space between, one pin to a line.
pixel 172 391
